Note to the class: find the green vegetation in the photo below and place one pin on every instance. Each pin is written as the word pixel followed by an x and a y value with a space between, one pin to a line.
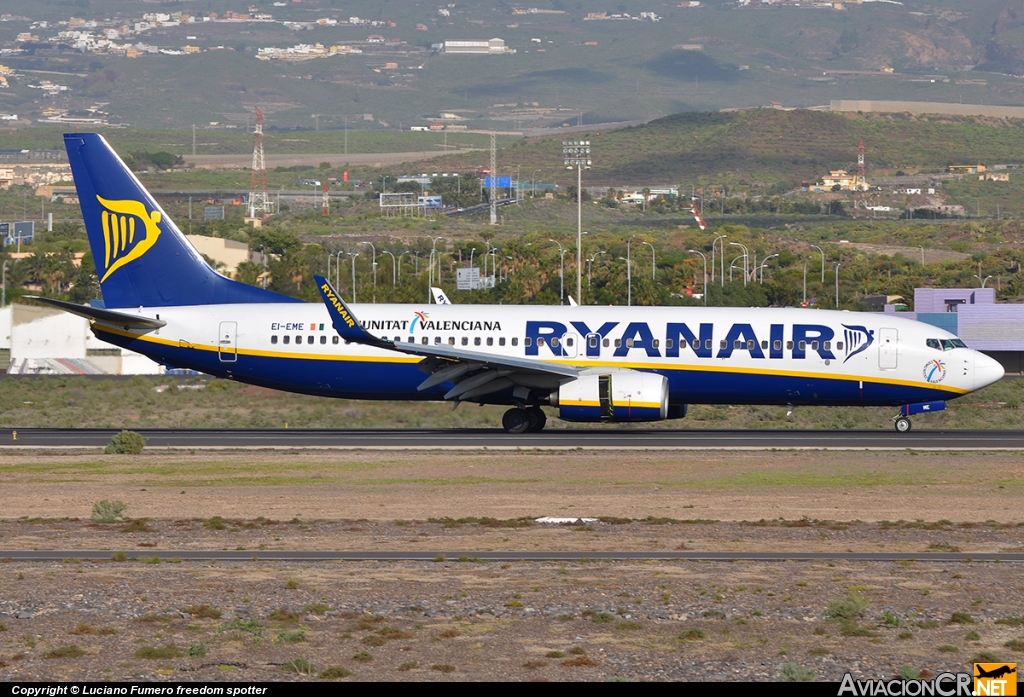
pixel 336 672
pixel 109 511
pixel 126 443
pixel 300 666
pixel 961 618
pixel 69 651
pixel 203 611
pixel 848 608
pixel 794 672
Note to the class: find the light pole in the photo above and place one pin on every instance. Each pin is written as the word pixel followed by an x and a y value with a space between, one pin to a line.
pixel 745 256
pixel 561 272
pixel 3 287
pixel 373 269
pixel 764 262
pixel 694 251
pixel 629 281
pixel 400 261
pixel 732 265
pixel 435 257
pixel 654 263
pixel 977 276
pixel 330 258
pixel 577 152
pixel 394 268
pixel 837 284
pixel 353 255
pixel 533 184
pixel 822 261
pixel 591 261
pixel 713 244
pixel 977 203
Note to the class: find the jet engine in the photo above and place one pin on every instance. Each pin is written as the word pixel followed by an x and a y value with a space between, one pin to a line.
pixel 617 396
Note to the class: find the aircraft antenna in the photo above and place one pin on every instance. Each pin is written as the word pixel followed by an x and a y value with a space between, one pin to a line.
pixel 259 202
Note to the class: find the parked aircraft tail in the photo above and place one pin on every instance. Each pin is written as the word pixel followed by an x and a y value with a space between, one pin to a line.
pixel 142 259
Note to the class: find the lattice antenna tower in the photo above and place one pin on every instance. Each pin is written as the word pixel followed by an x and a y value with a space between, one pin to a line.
pixel 860 184
pixel 259 202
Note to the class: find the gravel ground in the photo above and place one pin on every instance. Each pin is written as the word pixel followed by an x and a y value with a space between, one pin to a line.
pixel 151 617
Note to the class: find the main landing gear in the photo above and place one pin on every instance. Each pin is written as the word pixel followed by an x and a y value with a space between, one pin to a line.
pixel 528 420
pixel 901 423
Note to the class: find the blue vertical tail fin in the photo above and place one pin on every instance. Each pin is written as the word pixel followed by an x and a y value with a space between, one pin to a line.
pixel 142 259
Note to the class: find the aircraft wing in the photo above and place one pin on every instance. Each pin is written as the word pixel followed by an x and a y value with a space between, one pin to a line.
pixel 474 373
pixel 97 314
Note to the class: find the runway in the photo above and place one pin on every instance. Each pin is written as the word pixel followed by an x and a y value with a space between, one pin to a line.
pixel 553 439
pixel 508 556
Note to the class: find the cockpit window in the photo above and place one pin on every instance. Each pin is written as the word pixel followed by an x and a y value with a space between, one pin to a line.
pixel 934 344
pixel 958 343
pixel 947 345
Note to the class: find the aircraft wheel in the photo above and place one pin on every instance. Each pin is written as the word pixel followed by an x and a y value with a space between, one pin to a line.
pixel 537 419
pixel 902 424
pixel 515 420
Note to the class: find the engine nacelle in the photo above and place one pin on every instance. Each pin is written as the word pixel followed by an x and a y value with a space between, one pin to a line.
pixel 619 396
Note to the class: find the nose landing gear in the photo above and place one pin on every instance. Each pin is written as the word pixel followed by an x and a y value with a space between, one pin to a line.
pixel 902 420
pixel 901 423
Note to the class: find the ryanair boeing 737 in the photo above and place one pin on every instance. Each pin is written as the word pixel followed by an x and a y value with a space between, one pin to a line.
pixel 590 363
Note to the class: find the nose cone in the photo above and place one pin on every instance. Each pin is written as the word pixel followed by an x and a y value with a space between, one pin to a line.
pixel 987 370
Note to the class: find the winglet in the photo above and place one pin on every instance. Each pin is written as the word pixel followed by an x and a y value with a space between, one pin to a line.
pixel 345 323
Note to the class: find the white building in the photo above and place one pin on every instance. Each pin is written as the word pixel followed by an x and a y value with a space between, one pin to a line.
pixel 48 341
pixel 480 48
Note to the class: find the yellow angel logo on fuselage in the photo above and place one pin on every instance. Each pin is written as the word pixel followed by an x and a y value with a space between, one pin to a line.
pixel 119 232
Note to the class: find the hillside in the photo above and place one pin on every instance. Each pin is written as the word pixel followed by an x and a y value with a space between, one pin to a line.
pixel 565 67
pixel 767 146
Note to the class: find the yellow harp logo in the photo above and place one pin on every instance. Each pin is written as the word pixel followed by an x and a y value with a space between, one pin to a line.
pixel 119 232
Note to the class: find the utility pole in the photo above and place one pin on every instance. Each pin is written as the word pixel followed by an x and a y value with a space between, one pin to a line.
pixel 494 182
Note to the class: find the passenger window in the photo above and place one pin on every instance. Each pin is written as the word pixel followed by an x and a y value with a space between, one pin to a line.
pixel 657 343
pixel 592 341
pixel 527 342
pixel 750 344
pixel 723 344
pixel 554 342
pixel 515 341
pixel 273 339
pixel 501 341
pixel 424 341
pixel 298 339
pixel 540 341
pixel 803 345
pixel 311 340
pixel 629 343
pixel 287 338
pixel 707 344
pixel 451 341
pixel 568 342
pixel 323 338
pixel 437 341
pixel 618 343
pixel 490 341
pixel 476 341
pixel 789 345
pixel 737 344
pixel 696 344
pixel 606 343
pixel 334 339
pixel 764 344
pixel 777 345
pixel 814 345
pixel 827 345
pixel 839 345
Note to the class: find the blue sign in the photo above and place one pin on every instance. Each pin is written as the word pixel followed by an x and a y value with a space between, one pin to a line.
pixel 502 183
pixel 429 201
pixel 18 233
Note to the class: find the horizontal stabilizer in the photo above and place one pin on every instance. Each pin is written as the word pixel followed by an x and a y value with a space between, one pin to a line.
pixel 96 314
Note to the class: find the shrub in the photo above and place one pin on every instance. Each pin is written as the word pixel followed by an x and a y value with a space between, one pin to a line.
pixel 169 651
pixel 70 651
pixel 961 618
pixel 84 629
pixel 890 619
pixel 362 656
pixel 986 657
pixel 109 511
pixel 203 611
pixel 126 443
pixel 197 649
pixel 292 637
pixel 794 672
pixel 1015 644
pixel 848 608
pixel 909 672
pixel 408 665
pixel 119 556
pixel 335 672
pixel 443 668
pixel 692 635
pixel 300 666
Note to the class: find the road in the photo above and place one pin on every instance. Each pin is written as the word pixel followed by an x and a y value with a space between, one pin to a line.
pixel 493 439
